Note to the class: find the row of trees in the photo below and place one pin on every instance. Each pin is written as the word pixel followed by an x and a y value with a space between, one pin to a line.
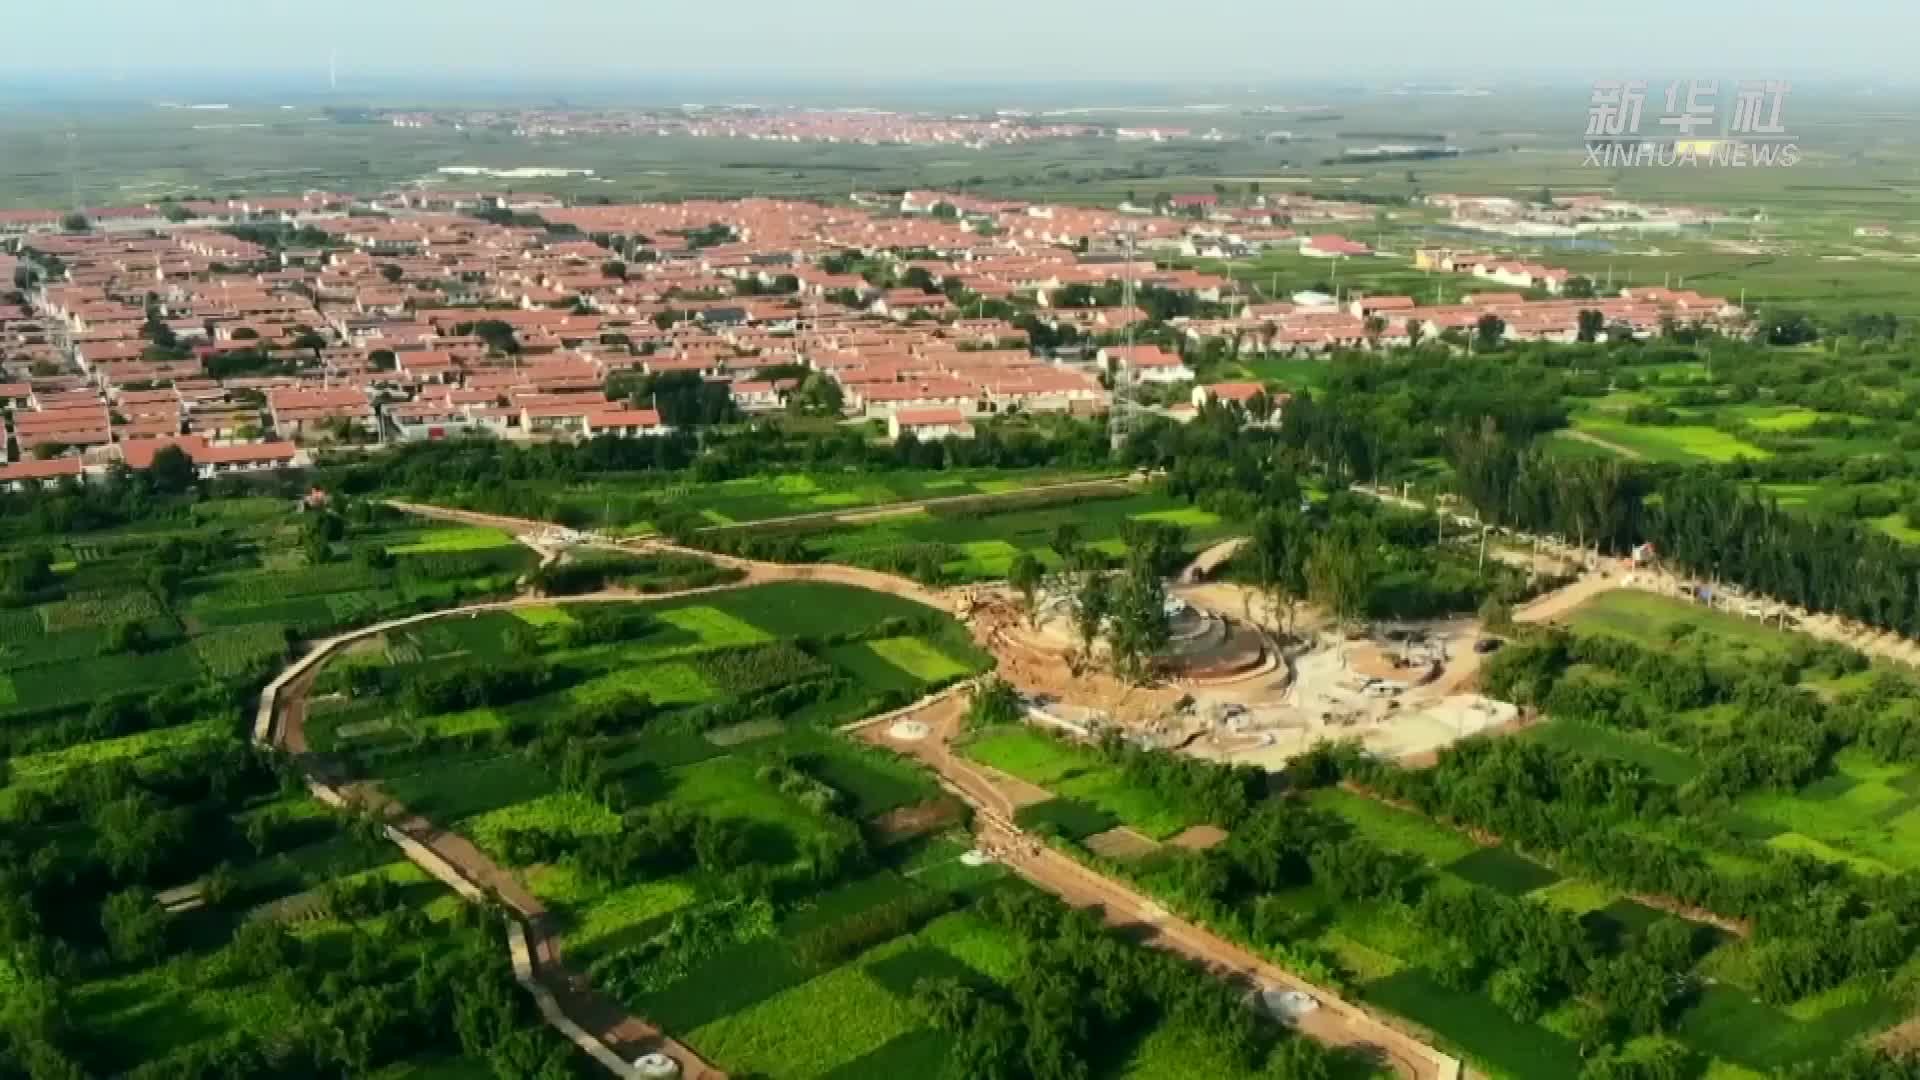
pixel 1814 924
pixel 1080 992
pixel 1699 521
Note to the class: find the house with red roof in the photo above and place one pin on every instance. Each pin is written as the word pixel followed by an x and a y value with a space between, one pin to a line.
pixel 621 422
pixel 924 424
pixel 212 459
pixel 1330 246
pixel 297 411
pixel 22 475
pixel 1143 364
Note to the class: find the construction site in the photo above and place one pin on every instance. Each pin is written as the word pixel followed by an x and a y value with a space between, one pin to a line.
pixel 1231 689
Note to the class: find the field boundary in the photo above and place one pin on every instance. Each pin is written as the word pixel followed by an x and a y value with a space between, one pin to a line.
pixel 1339 1022
pixel 882 510
pixel 284 699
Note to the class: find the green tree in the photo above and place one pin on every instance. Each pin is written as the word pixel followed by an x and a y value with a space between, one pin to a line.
pixel 1339 574
pixel 1092 600
pixel 817 395
pixel 172 471
pixel 1277 553
pixel 1065 541
pixel 1496 615
pixel 1140 627
pixel 1026 574
pixel 1521 990
pixel 1592 324
pixel 1489 330
pixel 135 926
pixel 127 638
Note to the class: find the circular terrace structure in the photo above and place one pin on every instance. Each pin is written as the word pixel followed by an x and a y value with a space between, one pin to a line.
pixel 1205 647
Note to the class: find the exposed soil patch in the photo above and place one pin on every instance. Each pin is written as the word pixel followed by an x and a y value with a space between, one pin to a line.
pixel 1122 843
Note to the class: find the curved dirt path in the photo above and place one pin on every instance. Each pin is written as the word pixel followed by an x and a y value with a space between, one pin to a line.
pixel 1336 1022
pixel 1204 564
pixel 282 722
pixel 1608 445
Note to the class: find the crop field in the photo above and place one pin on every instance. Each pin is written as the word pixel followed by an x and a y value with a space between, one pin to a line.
pixel 1679 444
pixel 1079 775
pixel 1387 951
pixel 1858 811
pixel 939 546
pixel 105 629
pixel 285 860
pixel 703 665
pixel 751 989
pixel 1862 811
pixel 629 504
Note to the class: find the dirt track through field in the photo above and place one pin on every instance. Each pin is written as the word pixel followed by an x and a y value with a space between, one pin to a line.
pixel 1335 1021
pixel 619 1031
pixel 882 511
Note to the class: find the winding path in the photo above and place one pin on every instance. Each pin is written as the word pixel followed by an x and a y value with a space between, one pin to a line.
pixel 595 1023
pixel 612 1035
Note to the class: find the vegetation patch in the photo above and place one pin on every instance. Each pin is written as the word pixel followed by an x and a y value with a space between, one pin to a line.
pixel 1503 871
pixel 464 538
pixel 918 658
pixel 1475 1025
pixel 1071 818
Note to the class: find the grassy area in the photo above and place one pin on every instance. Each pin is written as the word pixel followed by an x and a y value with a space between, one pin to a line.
pixel 1649 619
pixel 456 539
pixel 232 615
pixel 628 504
pixel 1079 774
pixel 1663 763
pixel 1677 443
pixel 976 545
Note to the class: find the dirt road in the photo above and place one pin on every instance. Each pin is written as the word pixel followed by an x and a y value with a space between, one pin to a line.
pixel 283 723
pixel 995 798
pixel 1336 1022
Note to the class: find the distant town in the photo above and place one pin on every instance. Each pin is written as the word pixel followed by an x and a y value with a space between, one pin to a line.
pixel 248 332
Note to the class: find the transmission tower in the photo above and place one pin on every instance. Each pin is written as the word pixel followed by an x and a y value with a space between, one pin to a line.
pixel 1124 412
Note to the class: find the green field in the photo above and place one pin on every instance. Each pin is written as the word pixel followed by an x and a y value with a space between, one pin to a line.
pixel 939 546
pixel 629 504
pixel 1648 619
pixel 250 588
pixel 459 539
pixel 1677 444
pixel 1079 774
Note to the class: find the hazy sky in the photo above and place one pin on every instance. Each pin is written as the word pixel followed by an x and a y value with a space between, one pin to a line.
pixel 1028 40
